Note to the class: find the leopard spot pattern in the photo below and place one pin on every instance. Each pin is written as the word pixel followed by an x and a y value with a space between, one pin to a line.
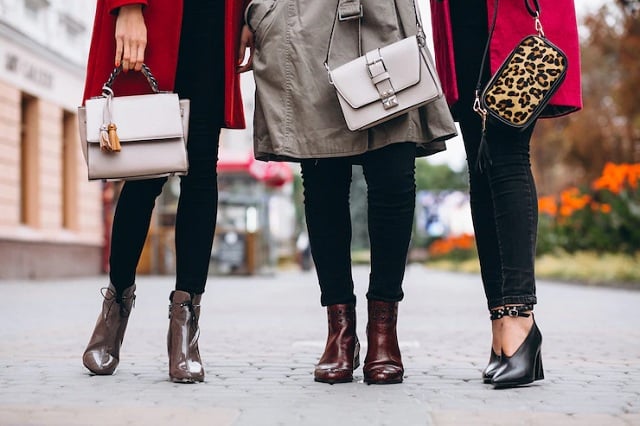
pixel 532 71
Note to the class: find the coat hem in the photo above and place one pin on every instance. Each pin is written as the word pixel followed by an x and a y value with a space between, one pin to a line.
pixel 423 149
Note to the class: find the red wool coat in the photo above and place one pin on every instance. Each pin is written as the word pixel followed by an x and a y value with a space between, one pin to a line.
pixel 163 19
pixel 558 19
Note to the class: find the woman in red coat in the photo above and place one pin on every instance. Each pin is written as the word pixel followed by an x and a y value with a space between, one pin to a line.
pixel 503 194
pixel 182 42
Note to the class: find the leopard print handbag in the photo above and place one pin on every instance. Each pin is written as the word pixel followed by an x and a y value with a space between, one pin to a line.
pixel 523 85
pixel 525 82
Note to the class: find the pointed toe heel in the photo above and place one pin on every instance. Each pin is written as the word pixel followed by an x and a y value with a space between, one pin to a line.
pixel 525 365
pixel 490 369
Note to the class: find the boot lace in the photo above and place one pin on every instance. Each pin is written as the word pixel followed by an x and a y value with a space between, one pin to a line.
pixel 120 299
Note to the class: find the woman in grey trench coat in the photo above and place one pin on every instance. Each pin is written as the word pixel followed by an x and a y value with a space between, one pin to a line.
pixel 298 118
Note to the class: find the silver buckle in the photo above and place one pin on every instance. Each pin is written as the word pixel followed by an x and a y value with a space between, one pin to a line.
pixel 390 101
pixel 375 61
pixel 388 98
pixel 512 311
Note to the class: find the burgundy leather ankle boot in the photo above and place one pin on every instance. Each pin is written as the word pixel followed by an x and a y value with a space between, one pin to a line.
pixel 342 351
pixel 383 363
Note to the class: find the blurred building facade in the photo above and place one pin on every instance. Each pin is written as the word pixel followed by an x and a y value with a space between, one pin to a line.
pixel 53 222
pixel 51 217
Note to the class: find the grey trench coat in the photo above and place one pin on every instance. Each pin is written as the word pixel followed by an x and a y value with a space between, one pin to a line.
pixel 297 114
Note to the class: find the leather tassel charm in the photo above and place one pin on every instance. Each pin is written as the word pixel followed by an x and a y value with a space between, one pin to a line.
pixel 104 139
pixel 484 157
pixel 114 140
pixel 109 140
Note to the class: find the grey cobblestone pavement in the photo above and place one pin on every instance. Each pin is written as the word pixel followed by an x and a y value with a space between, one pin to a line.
pixel 262 335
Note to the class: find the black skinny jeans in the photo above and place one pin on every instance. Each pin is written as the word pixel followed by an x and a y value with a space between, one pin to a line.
pixel 389 173
pixel 504 203
pixel 199 78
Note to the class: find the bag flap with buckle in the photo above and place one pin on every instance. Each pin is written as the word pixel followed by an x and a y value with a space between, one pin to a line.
pixel 401 61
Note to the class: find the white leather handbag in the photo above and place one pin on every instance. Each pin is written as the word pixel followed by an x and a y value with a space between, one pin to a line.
pixel 134 137
pixel 385 82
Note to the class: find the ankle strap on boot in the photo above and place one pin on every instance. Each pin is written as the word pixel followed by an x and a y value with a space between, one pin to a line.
pixel 510 311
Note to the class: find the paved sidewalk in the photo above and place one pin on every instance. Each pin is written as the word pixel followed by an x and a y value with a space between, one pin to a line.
pixel 262 335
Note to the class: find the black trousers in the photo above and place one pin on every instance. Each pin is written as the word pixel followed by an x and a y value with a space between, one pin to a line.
pixel 504 203
pixel 199 78
pixel 389 173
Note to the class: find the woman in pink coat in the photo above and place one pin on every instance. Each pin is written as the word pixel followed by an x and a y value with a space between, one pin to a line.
pixel 193 47
pixel 503 194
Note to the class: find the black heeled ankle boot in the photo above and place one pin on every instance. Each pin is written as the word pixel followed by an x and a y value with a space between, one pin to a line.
pixel 525 365
pixel 494 358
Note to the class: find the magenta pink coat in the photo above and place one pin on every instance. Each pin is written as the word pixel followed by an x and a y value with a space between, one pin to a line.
pixel 558 19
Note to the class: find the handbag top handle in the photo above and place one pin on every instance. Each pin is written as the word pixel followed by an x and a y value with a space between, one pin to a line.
pixel 153 83
pixel 535 14
pixel 348 10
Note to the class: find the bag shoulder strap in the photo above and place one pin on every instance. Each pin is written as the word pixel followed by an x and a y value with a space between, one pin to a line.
pixel 348 10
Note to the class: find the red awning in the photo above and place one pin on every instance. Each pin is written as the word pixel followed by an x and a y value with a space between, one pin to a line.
pixel 272 173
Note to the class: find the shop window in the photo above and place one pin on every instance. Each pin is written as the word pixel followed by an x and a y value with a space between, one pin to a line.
pixel 29 164
pixel 34 7
pixel 69 172
pixel 75 30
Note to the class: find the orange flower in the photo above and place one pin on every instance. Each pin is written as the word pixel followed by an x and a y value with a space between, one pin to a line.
pixel 616 176
pixel 565 211
pixel 447 245
pixel 548 205
pixel 467 242
pixel 602 208
pixel 605 208
pixel 571 201
pixel 633 175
